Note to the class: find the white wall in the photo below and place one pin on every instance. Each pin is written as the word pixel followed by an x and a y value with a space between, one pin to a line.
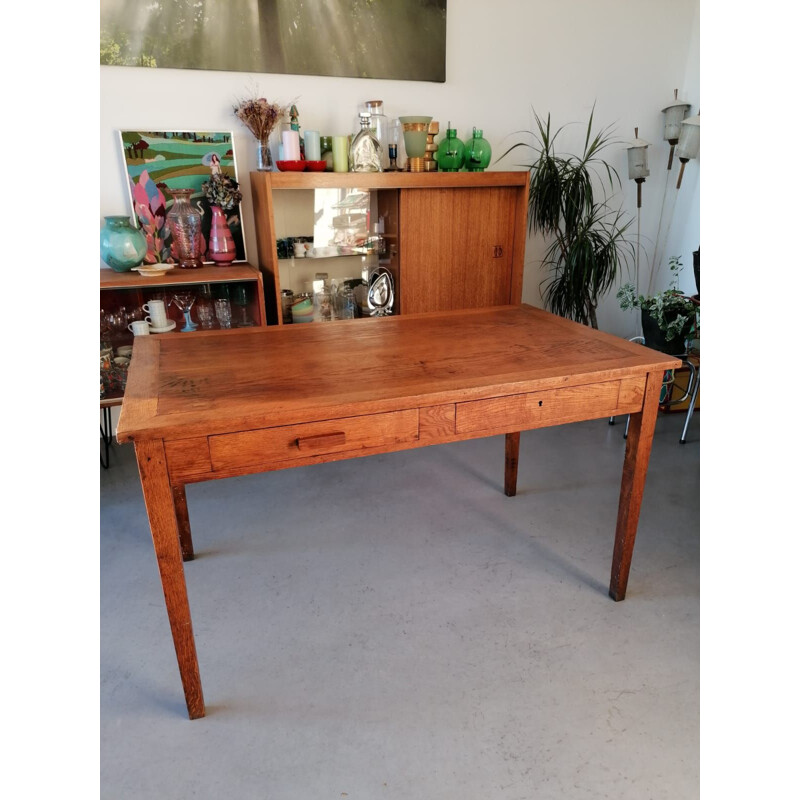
pixel 503 57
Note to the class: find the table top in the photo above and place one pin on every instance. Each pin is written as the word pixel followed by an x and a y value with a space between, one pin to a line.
pixel 188 385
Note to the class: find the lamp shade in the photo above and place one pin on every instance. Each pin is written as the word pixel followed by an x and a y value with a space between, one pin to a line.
pixel 674 113
pixel 637 159
pixel 689 139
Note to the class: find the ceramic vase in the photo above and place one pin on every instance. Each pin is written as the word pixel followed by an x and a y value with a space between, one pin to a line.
pixel 122 246
pixel 221 247
pixel 184 221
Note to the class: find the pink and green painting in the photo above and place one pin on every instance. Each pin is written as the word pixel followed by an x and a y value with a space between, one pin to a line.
pixel 159 161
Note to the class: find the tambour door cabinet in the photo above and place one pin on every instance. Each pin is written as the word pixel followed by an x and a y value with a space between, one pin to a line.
pixel 454 240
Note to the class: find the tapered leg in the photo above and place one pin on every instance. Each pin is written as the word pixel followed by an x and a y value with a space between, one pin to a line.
pixel 634 471
pixel 182 516
pixel 512 463
pixel 159 501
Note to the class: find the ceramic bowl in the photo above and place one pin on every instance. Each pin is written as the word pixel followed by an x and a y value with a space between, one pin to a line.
pixel 154 271
pixel 316 166
pixel 291 166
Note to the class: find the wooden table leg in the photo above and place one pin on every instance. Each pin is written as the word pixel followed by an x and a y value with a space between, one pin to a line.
pixel 182 516
pixel 634 471
pixel 160 503
pixel 512 463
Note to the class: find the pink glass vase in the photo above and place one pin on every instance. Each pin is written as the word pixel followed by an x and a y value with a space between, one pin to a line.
pixel 221 247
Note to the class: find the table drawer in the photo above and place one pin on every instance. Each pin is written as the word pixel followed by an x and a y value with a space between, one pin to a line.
pixel 291 442
pixel 550 407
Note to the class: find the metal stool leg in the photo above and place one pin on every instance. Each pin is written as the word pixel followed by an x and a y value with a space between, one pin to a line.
pixel 105 435
pixel 692 402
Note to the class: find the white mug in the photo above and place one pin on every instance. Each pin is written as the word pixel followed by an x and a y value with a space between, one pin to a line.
pixel 157 313
pixel 139 327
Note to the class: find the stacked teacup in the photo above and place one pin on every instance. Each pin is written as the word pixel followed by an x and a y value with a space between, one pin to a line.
pixel 156 314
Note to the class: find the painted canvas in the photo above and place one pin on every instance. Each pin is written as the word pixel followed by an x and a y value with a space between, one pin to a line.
pixel 157 161
pixel 396 39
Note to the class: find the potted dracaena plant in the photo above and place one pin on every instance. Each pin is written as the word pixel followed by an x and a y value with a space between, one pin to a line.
pixel 588 243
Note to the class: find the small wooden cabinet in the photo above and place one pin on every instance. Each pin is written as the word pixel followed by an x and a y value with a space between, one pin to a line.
pixel 454 240
pixel 241 283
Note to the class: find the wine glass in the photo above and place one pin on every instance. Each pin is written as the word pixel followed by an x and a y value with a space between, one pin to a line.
pixel 240 298
pixel 184 301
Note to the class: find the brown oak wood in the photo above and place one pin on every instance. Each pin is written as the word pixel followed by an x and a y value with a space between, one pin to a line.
pixel 282 375
pixel 182 518
pixel 206 407
pixel 385 180
pixel 458 246
pixel 460 241
pixel 634 472
pixel 512 463
pixel 159 501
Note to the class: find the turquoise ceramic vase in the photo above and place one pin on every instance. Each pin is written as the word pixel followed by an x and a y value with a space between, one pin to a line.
pixel 477 152
pixel 122 246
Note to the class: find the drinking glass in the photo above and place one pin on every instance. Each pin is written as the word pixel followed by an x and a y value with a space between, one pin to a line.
pixel 240 298
pixel 184 301
pixel 205 314
pixel 222 308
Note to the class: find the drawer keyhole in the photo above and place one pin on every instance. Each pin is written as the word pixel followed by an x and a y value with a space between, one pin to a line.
pixel 540 403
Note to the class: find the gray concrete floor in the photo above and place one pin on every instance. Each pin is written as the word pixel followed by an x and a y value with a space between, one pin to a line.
pixel 395 627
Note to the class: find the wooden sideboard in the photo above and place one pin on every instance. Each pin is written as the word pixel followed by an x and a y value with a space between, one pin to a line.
pixel 455 240
pixel 130 289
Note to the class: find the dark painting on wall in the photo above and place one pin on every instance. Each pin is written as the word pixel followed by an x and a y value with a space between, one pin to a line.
pixel 396 39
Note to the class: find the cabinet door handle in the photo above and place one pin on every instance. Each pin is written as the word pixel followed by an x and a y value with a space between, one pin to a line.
pixel 498 251
pixel 320 441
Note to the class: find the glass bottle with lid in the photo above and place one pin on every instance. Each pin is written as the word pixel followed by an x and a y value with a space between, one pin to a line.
pixel 365 150
pixel 477 152
pixel 451 151
pixel 379 123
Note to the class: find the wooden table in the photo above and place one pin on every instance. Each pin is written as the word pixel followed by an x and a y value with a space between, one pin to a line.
pixel 203 407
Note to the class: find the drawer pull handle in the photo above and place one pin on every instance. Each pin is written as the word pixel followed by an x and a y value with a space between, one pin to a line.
pixel 323 440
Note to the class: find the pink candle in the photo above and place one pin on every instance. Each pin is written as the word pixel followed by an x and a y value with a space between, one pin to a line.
pixel 291 145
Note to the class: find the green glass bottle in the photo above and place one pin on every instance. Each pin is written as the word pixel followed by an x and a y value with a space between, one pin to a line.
pixel 451 152
pixel 477 152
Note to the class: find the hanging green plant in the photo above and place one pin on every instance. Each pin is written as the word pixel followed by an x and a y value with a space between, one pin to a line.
pixel 674 314
pixel 588 235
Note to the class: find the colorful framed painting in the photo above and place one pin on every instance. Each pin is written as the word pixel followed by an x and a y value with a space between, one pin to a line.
pixel 158 161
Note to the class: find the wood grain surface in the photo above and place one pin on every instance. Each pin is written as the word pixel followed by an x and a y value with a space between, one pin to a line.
pixel 185 386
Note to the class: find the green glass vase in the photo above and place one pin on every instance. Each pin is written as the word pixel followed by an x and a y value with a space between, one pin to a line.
pixel 122 246
pixel 450 154
pixel 477 152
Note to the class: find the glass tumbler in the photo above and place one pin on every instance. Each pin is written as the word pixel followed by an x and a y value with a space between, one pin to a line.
pixel 222 308
pixel 205 314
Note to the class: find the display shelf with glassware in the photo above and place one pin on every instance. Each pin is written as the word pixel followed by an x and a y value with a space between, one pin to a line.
pixel 210 298
pixel 448 240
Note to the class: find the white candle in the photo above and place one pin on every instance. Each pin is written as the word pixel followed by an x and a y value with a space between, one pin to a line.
pixel 311 141
pixel 291 145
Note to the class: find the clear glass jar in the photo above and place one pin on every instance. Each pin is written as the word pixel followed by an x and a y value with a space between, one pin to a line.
pixel 379 124
pixel 345 302
pixel 365 150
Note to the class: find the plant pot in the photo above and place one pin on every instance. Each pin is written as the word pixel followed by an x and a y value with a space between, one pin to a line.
pixel 654 337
